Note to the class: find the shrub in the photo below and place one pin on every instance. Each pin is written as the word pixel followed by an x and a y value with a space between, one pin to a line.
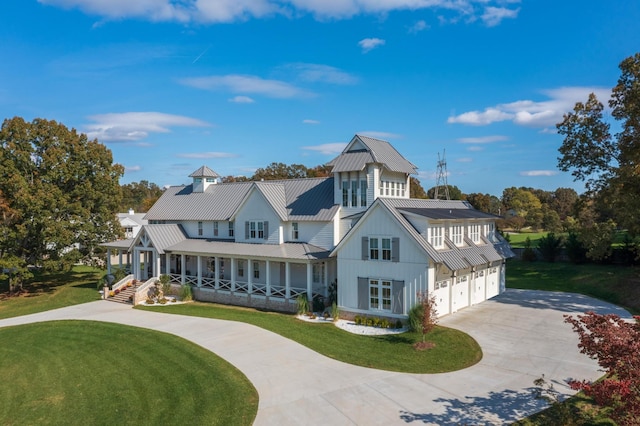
pixel 549 247
pixel 150 301
pixel 376 322
pixel 370 322
pixel 384 323
pixel 415 317
pixel 325 315
pixel 335 311
pixel 528 255
pixel 162 301
pixel 318 304
pixel 185 293
pixel 112 293
pixel 302 304
pixel 116 291
pixel 358 320
pixel 398 324
pixel 165 282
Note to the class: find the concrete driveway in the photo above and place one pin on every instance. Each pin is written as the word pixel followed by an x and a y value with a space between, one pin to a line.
pixel 521 333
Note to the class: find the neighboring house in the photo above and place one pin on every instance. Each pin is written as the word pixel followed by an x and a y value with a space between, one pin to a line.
pixel 263 244
pixel 131 223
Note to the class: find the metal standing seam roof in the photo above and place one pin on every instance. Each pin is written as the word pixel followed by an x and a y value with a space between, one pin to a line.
pixel 453 257
pixel 297 251
pixel 163 236
pixel 449 213
pixel 118 244
pixel 293 199
pixel 204 171
pixel 378 151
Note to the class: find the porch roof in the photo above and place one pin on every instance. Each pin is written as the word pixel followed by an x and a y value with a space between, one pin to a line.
pixel 285 251
pixel 118 244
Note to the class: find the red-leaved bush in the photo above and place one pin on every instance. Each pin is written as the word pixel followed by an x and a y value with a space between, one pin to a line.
pixel 615 344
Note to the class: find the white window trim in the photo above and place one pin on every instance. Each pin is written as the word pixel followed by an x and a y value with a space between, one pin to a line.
pixel 381 285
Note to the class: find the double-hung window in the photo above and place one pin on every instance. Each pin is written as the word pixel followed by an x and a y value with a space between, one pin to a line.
pixel 294 231
pixel 456 234
pixel 474 233
pixel 231 231
pixel 199 229
pixel 363 193
pixel 436 234
pixel 215 229
pixel 240 268
pixel 256 230
pixel 345 193
pixel 379 248
pixel 256 269
pixel 374 250
pixel 354 193
pixel 386 248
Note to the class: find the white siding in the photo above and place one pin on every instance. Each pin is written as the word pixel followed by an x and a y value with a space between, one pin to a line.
pixel 256 208
pixel 412 267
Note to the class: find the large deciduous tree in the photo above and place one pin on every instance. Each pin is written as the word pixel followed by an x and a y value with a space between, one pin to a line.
pixel 608 164
pixel 615 344
pixel 58 189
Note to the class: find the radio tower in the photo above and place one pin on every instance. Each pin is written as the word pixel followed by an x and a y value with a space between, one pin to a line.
pixel 441 179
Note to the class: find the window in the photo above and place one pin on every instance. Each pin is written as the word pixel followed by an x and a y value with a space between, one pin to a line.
pixel 211 180
pixel 256 230
pixel 386 248
pixel 474 233
pixel 345 193
pixel 241 268
pixel 318 273
pixel 435 237
pixel 215 229
pixel 456 234
pixel 402 188
pixel 200 228
pixel 197 180
pixel 354 193
pixel 380 295
pixel 231 233
pixel 294 231
pixel 128 230
pixel 374 253
pixel 386 188
pixel 363 193
pixel 256 270
pixel 393 189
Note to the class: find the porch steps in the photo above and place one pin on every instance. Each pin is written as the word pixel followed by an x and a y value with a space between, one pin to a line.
pixel 123 296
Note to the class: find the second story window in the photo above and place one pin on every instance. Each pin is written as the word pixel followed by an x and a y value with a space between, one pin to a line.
pixel 294 231
pixel 231 232
pixel 256 230
pixel 436 236
pixel 200 229
pixel 354 193
pixel 456 234
pixel 215 229
pixel 474 233
pixel 363 193
pixel 345 193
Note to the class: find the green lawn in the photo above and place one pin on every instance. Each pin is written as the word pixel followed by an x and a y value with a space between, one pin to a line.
pixel 94 373
pixel 518 240
pixel 454 349
pixel 616 284
pixel 53 290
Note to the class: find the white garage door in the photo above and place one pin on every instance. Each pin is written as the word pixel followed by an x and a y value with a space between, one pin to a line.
pixel 493 282
pixel 441 292
pixel 479 284
pixel 460 293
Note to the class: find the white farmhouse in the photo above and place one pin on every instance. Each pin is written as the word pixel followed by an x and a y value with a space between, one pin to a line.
pixel 263 244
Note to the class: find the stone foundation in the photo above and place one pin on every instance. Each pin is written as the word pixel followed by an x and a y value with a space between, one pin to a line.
pixel 241 299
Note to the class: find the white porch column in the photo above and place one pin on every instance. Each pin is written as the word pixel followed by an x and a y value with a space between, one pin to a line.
pixel 129 262
pixel 134 267
pixel 119 258
pixel 309 282
pixel 183 267
pixel 287 280
pixel 216 274
pixel 249 276
pixel 325 276
pixel 109 261
pixel 268 277
pixel 167 264
pixel 233 274
pixel 157 269
pixel 199 269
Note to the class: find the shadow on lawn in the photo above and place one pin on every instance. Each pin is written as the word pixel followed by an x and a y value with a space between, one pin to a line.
pixel 559 301
pixel 503 407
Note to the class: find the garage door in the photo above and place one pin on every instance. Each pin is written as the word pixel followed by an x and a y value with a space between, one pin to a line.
pixel 441 292
pixel 479 284
pixel 493 282
pixel 460 293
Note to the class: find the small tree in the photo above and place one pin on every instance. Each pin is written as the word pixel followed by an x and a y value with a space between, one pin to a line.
pixel 615 344
pixel 549 246
pixel 429 313
pixel 528 255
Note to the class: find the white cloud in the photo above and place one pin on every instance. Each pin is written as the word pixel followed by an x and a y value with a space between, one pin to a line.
pixel 327 148
pixel 491 12
pixel 242 100
pixel 484 139
pixel 207 155
pixel 539 173
pixel 492 16
pixel 133 126
pixel 418 26
pixel 309 121
pixel 368 44
pixel 533 113
pixel 132 169
pixel 251 84
pixel 322 73
pixel 380 135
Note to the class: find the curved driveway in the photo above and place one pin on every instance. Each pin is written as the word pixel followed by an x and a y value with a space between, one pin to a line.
pixel 521 333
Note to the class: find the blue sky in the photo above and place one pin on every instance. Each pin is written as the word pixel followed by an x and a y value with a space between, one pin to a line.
pixel 170 85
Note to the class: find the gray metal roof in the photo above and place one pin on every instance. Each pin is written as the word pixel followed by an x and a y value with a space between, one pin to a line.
pixel 163 236
pixel 445 213
pixel 118 244
pixel 453 257
pixel 293 199
pixel 377 151
pixel 204 171
pixel 136 217
pixel 299 251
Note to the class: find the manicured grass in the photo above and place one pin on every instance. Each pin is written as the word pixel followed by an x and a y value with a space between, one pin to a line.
pixel 454 349
pixel 53 290
pixel 93 373
pixel 613 283
pixel 518 240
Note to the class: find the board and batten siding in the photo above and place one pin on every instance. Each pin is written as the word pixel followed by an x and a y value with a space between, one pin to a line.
pixel 317 233
pixel 256 208
pixel 412 267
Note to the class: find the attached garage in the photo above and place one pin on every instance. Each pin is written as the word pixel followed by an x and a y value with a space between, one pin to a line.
pixel 460 293
pixel 493 282
pixel 478 286
pixel 442 293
